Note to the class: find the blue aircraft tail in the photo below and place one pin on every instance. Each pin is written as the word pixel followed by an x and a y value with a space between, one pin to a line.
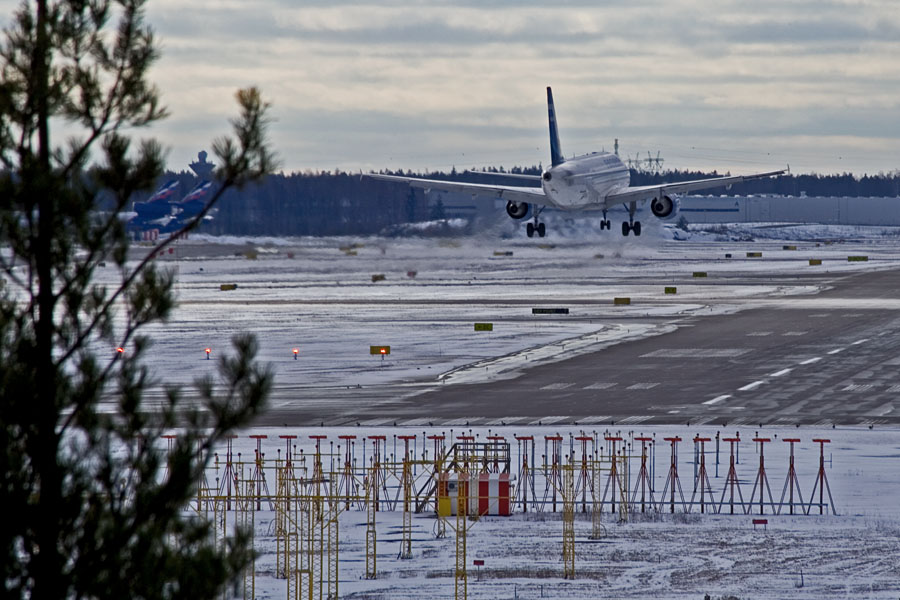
pixel 556 156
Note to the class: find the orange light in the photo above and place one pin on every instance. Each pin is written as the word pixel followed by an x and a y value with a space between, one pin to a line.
pixel 208 350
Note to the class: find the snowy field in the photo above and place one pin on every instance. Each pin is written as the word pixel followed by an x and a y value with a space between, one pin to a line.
pixel 311 295
pixel 653 555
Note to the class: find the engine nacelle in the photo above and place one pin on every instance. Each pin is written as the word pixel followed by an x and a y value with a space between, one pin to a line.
pixel 517 210
pixel 664 208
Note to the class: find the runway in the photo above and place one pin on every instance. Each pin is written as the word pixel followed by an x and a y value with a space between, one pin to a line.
pixel 831 358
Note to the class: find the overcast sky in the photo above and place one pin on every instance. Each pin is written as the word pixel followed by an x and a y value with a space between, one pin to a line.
pixel 728 84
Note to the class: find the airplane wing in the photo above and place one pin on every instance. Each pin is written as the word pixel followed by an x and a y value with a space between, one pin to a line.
pixel 530 195
pixel 646 192
pixel 535 178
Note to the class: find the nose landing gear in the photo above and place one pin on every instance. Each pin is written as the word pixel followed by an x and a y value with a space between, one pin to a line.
pixel 605 223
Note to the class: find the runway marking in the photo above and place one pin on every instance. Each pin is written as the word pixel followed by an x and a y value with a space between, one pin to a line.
pixel 794 333
pixel 505 420
pixel 822 423
pixel 696 353
pixel 642 386
pixel 717 399
pixel 751 386
pixel 810 361
pixel 759 333
pixel 600 386
pixel 881 410
pixel 416 422
pixel 550 420
pixel 375 422
pixel 858 387
pixel 462 421
pixel 557 386
pixel 820 316
pixel 702 420
pixel 780 373
pixel 836 350
pixel 634 420
pixel 852 315
pixel 894 389
pixel 862 341
pixel 593 420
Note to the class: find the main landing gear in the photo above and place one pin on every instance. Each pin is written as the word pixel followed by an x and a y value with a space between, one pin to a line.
pixel 631 225
pixel 537 226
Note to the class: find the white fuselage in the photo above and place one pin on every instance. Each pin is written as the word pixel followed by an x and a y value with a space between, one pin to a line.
pixel 583 182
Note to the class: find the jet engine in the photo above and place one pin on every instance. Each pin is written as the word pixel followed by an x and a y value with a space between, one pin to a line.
pixel 664 208
pixel 517 210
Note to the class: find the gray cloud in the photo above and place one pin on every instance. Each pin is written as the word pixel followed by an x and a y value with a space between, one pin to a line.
pixel 417 83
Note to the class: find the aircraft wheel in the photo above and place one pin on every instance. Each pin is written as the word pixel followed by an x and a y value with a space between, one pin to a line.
pixel 626 227
pixel 541 230
pixel 637 228
pixel 529 229
pixel 609 224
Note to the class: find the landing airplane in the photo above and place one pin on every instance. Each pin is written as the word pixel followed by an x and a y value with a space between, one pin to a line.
pixel 595 181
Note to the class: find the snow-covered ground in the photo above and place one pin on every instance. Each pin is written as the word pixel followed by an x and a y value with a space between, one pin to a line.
pixel 653 555
pixel 308 294
pixel 312 295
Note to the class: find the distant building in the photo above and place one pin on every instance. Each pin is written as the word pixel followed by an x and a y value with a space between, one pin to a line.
pixel 828 210
pixel 201 167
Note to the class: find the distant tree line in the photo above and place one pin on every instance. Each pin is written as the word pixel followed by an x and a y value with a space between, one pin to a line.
pixel 335 202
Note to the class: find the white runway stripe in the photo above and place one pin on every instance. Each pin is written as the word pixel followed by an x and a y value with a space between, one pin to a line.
pixel 642 386
pixel 557 386
pixel 634 420
pixel 504 420
pixel 751 386
pixel 600 386
pixel 594 420
pixel 717 399
pixel 550 420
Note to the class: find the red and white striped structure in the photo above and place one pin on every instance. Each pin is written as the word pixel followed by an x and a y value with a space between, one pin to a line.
pixel 488 493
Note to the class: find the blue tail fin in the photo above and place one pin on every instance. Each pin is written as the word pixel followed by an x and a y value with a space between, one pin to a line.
pixel 556 156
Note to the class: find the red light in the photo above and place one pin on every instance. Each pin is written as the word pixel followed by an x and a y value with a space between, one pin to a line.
pixel 120 350
pixel 383 351
pixel 208 350
pixel 296 350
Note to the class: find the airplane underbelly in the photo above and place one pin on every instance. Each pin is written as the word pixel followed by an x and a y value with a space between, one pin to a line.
pixel 571 197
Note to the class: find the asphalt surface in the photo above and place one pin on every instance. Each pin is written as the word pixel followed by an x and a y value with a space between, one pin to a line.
pixel 833 358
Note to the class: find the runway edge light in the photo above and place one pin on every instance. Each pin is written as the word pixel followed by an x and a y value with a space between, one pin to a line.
pixel 207 350
pixel 296 351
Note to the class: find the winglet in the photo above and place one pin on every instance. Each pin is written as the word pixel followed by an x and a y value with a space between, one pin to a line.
pixel 556 156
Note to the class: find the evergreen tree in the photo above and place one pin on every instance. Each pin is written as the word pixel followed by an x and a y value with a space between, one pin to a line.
pixel 89 513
